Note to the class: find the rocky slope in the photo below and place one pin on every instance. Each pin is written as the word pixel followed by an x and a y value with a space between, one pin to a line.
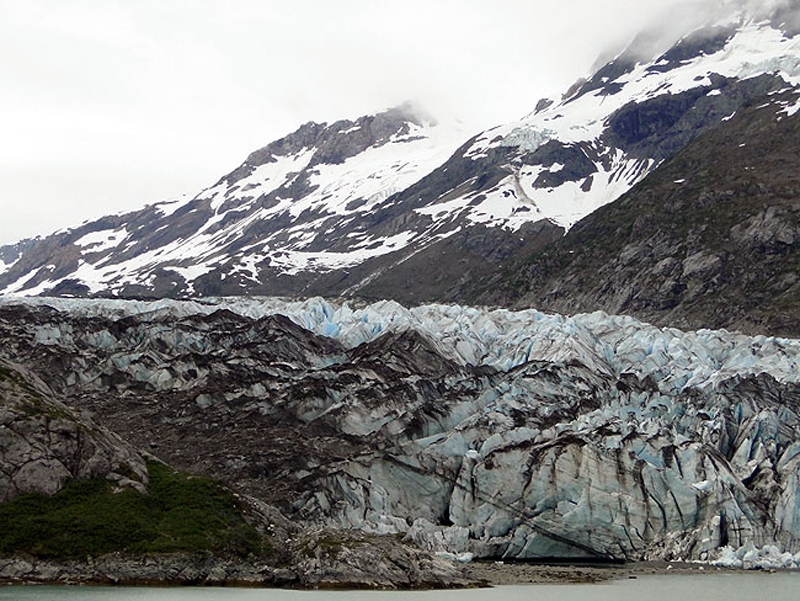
pixel 516 435
pixel 708 240
pixel 44 444
pixel 390 206
pixel 73 496
pixel 319 559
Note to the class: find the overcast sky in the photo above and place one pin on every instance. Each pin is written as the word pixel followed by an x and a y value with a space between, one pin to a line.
pixel 108 105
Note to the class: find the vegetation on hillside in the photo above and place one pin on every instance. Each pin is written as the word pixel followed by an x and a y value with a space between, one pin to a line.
pixel 180 513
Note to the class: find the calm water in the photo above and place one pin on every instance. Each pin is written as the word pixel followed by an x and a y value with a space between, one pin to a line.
pixel 759 587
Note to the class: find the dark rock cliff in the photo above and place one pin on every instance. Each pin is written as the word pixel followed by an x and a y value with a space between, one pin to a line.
pixel 710 239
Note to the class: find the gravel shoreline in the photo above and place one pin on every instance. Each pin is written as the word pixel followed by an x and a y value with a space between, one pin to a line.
pixel 181 570
pixel 497 573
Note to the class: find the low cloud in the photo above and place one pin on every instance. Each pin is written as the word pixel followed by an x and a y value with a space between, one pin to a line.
pixel 671 20
pixel 110 104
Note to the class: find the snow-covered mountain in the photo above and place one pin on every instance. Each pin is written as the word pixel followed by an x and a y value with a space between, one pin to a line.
pixel 609 132
pixel 710 239
pixel 395 206
pixel 275 209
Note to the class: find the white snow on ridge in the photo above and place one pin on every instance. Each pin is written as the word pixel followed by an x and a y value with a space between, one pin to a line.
pixel 515 201
pixel 107 274
pixel 190 273
pixel 102 240
pixel 263 180
pixel 755 49
pixel 504 339
pixel 291 262
pixel 791 109
pixel 247 266
pixel 6 266
pixel 350 188
pixel 168 207
pixel 362 181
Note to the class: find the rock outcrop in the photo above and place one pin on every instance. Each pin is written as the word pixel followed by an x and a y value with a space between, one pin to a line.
pixel 44 443
pixel 325 558
pixel 312 559
pixel 174 569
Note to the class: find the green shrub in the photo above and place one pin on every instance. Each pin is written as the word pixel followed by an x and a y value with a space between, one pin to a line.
pixel 181 513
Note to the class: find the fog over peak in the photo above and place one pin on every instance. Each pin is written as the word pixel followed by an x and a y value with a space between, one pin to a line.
pixel 108 105
pixel 672 20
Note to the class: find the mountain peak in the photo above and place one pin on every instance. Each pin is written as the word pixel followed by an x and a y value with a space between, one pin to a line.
pixel 397 204
pixel 332 144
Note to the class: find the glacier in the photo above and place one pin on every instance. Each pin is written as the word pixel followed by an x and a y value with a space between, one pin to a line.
pixel 466 430
pixel 500 338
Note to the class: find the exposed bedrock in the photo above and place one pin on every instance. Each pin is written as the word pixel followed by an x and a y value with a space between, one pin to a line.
pixel 44 444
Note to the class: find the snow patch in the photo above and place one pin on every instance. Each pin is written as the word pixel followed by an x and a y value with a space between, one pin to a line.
pixel 168 207
pixel 102 240
pixel 291 262
pixel 791 109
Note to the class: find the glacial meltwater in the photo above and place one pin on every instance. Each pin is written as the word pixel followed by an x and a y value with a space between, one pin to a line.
pixel 728 587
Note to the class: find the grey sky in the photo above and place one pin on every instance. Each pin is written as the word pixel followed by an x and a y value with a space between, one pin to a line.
pixel 108 105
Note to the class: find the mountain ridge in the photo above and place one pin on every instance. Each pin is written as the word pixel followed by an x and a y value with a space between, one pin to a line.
pixel 685 242
pixel 394 205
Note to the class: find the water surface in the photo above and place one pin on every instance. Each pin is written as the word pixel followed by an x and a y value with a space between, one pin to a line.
pixel 711 587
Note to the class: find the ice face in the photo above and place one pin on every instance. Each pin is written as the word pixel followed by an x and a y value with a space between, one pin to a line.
pixel 504 339
pixel 602 431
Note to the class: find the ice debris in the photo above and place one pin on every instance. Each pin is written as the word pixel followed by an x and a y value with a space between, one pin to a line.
pixel 768 557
